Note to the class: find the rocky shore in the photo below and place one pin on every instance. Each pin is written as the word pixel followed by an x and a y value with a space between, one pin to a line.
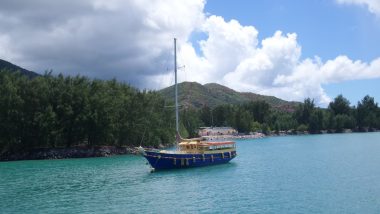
pixel 226 137
pixel 62 153
pixel 105 151
pixel 257 135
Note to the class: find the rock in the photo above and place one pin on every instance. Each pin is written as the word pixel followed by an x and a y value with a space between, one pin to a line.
pixel 61 153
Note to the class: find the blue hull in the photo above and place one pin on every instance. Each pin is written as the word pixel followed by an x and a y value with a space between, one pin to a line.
pixel 160 161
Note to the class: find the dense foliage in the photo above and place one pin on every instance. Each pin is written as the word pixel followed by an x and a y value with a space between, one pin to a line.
pixel 259 116
pixel 195 95
pixel 50 111
pixel 4 65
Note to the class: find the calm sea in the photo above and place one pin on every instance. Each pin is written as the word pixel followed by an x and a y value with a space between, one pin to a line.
pixel 337 173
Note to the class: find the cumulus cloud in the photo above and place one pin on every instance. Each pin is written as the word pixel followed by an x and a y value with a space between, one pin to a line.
pixel 228 43
pixel 232 56
pixel 132 41
pixel 372 5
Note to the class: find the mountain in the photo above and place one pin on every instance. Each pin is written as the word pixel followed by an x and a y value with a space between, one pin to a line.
pixel 193 94
pixel 4 65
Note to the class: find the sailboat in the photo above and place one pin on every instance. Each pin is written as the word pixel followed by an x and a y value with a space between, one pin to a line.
pixel 193 152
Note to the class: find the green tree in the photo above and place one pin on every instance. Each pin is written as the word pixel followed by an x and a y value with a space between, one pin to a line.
pixel 304 111
pixel 243 120
pixel 11 117
pixel 282 121
pixel 367 111
pixel 191 121
pixel 220 115
pixel 343 121
pixel 340 105
pixel 260 110
pixel 316 121
pixel 206 116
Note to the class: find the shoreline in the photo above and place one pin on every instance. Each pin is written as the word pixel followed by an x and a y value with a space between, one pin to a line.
pixel 65 153
pixel 259 135
pixel 107 151
pixel 226 137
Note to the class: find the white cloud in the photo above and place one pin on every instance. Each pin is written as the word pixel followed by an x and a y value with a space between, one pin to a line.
pixel 231 56
pixel 127 39
pixel 132 41
pixel 228 43
pixel 372 5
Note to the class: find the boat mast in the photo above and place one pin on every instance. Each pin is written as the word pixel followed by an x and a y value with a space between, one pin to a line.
pixel 176 88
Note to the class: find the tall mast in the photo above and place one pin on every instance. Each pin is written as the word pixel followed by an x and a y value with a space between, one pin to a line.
pixel 176 88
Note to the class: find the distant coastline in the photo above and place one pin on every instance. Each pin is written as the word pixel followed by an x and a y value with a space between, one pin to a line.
pixel 54 117
pixel 239 136
pixel 64 153
pixel 259 135
pixel 107 151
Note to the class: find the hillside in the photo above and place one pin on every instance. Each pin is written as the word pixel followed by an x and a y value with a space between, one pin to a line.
pixel 193 94
pixel 4 65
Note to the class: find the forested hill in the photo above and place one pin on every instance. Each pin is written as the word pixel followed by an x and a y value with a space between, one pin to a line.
pixel 56 111
pixel 5 65
pixel 62 111
pixel 193 94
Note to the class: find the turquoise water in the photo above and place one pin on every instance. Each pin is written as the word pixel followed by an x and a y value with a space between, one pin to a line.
pixel 337 173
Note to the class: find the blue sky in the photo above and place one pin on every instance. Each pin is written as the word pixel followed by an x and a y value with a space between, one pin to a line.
pixel 290 49
pixel 324 28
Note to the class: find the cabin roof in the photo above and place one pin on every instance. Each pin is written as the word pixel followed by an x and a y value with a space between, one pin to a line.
pixel 189 143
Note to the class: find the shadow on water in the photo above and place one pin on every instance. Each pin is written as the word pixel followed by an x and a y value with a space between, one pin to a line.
pixel 193 170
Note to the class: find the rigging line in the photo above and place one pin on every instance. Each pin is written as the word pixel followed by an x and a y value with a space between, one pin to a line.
pixel 183 68
pixel 180 67
pixel 143 136
pixel 145 126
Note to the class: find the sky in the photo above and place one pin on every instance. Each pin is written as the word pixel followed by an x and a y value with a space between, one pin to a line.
pixel 291 49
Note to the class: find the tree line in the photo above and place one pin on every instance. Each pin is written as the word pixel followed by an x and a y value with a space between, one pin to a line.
pixel 259 116
pixel 56 111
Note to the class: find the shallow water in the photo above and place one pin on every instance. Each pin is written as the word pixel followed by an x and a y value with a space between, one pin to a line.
pixel 337 173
